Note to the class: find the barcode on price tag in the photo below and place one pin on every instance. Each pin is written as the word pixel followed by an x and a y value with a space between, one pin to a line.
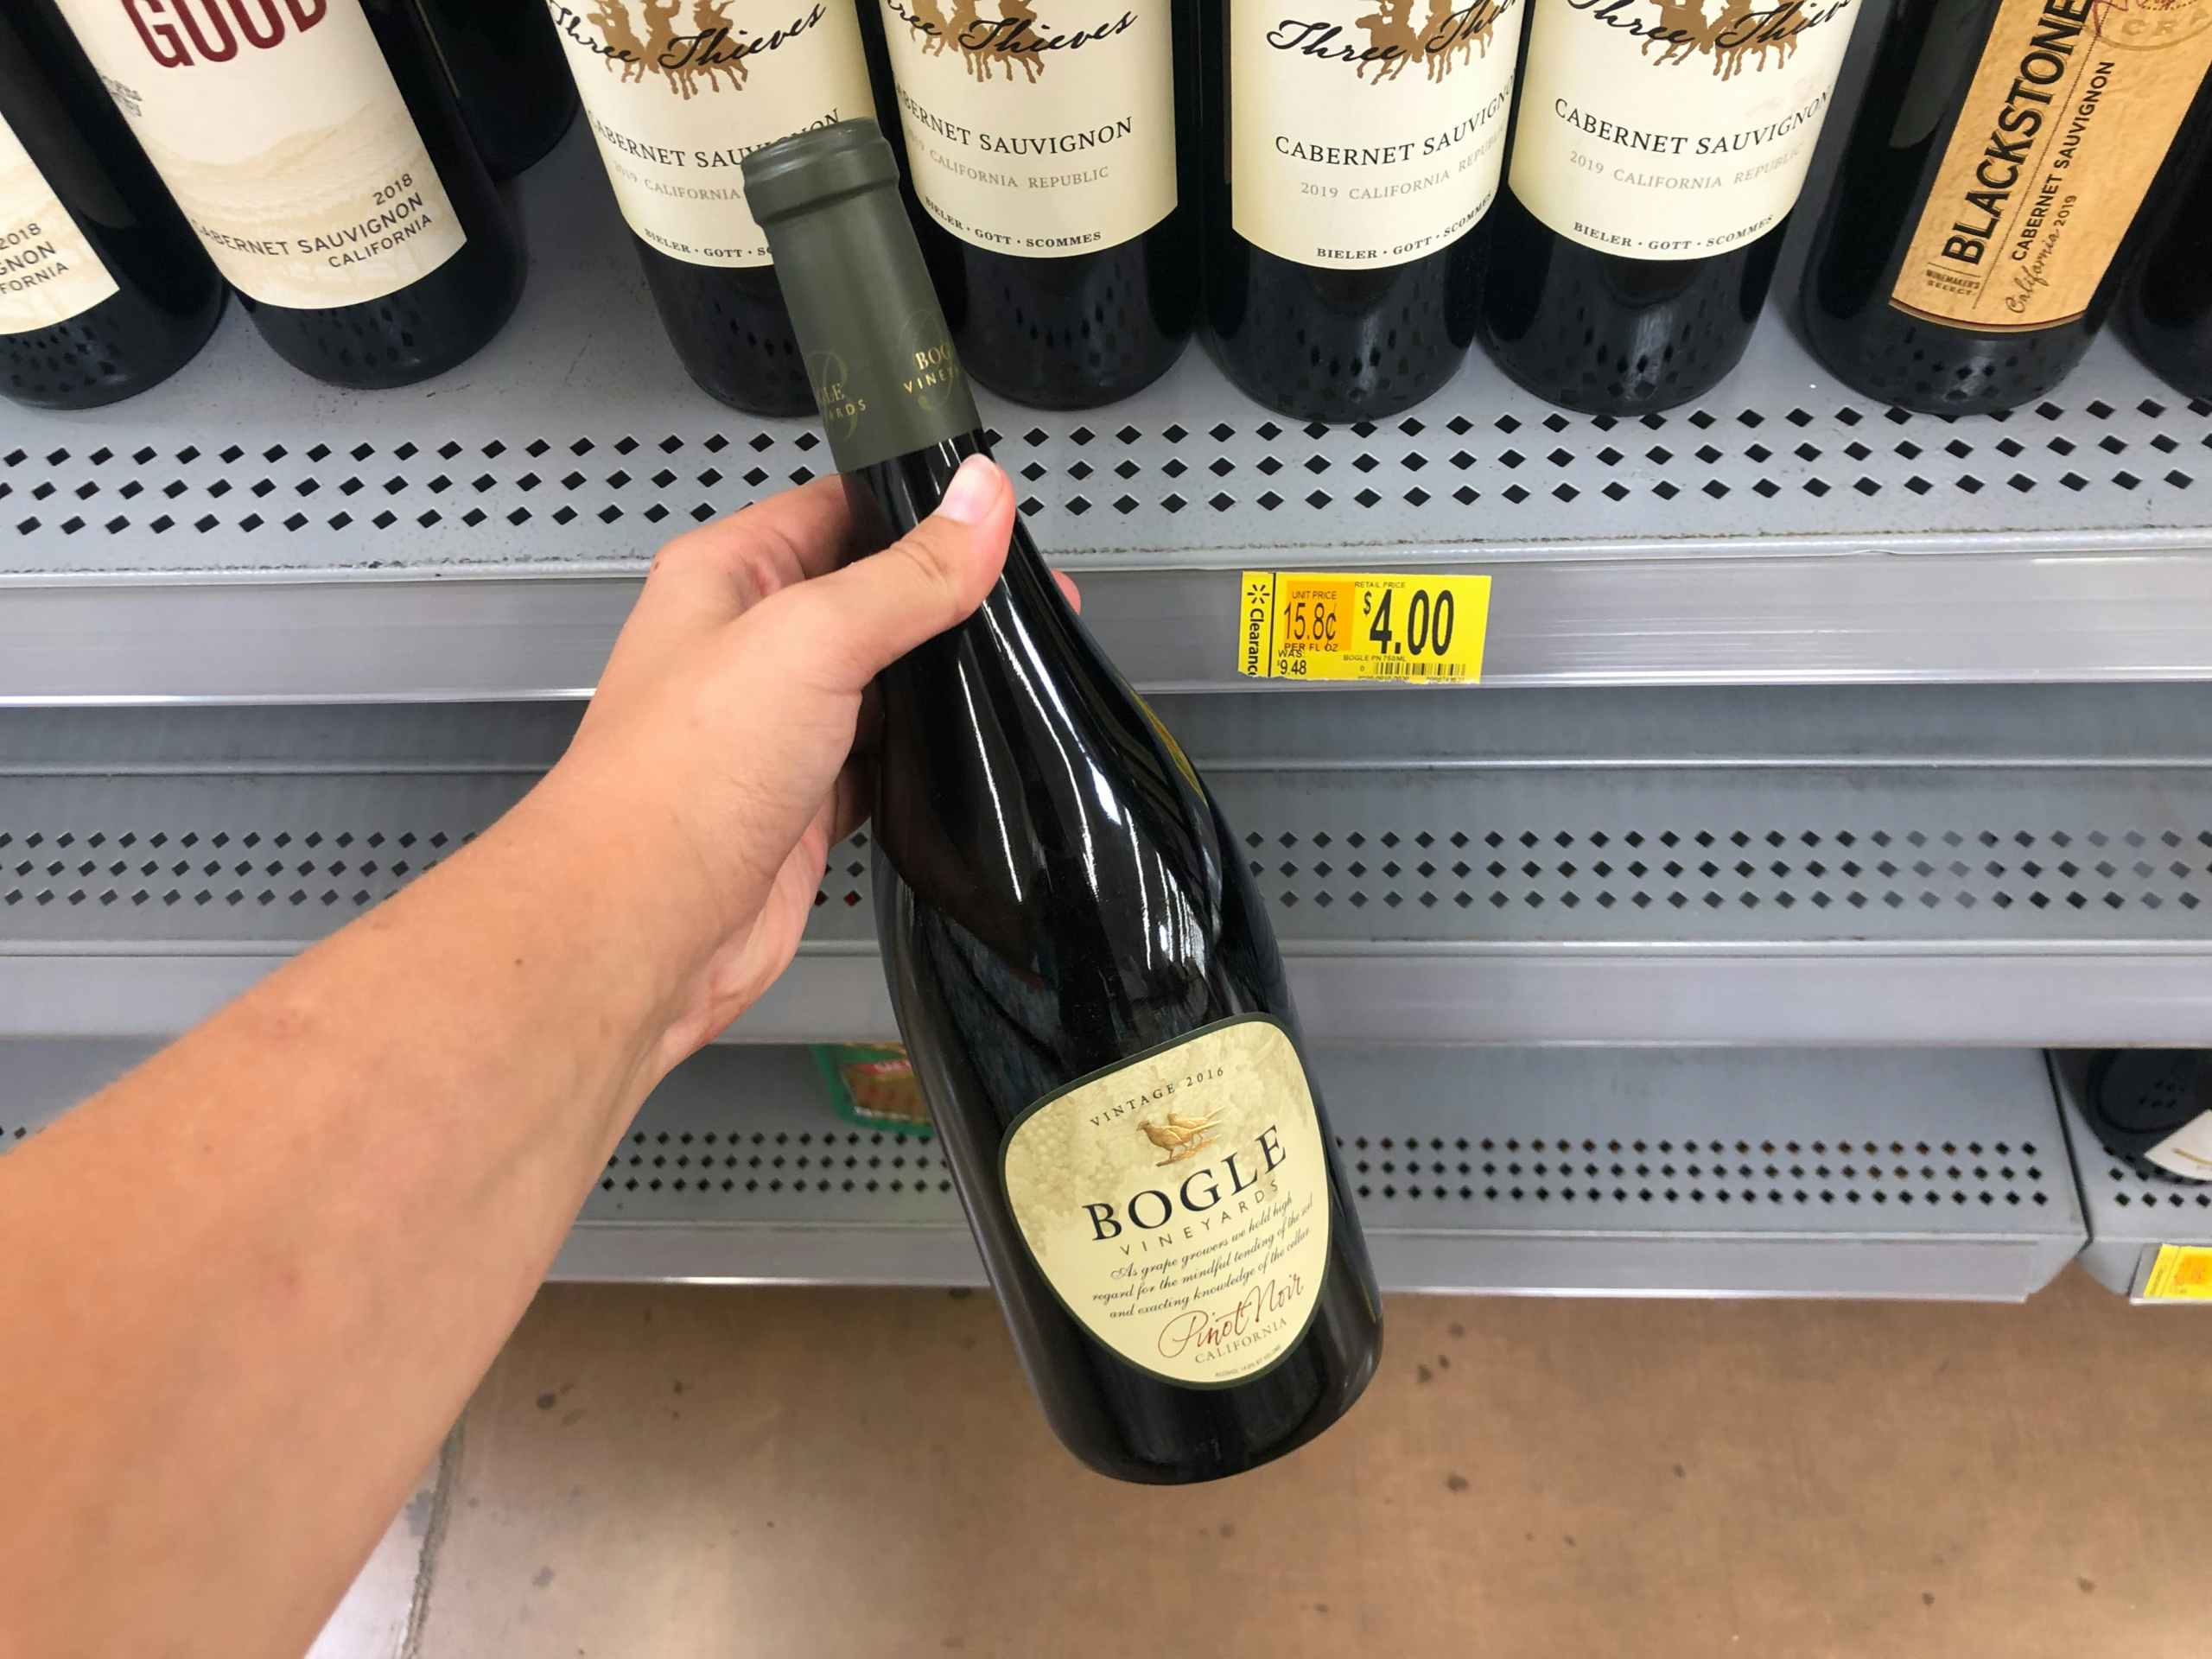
pixel 1313 624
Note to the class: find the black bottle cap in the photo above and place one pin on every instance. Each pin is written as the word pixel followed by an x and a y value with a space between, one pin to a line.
pixel 869 327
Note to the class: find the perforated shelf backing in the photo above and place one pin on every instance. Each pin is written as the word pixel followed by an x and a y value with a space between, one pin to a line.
pixel 1805 892
pixel 2129 1214
pixel 1630 1171
pixel 1901 1174
pixel 1735 539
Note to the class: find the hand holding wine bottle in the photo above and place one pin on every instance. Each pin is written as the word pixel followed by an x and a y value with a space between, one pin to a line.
pixel 1081 969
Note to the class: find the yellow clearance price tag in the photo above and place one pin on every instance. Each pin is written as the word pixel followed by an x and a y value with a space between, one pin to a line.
pixel 1309 624
pixel 2183 1273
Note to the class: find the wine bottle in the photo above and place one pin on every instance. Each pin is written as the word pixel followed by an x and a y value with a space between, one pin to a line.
pixel 1658 149
pixel 1342 251
pixel 677 101
pixel 2166 307
pixel 1968 253
pixel 1081 969
pixel 1053 164
pixel 508 75
pixel 104 290
pixel 316 149
pixel 2152 1109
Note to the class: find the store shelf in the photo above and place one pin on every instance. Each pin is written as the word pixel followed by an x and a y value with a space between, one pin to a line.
pixel 244 533
pixel 1897 865
pixel 1936 1174
pixel 2129 1215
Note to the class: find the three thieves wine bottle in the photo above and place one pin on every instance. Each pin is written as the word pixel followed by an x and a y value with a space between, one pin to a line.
pixel 1053 160
pixel 104 290
pixel 1658 149
pixel 1350 165
pixel 676 102
pixel 316 148
pixel 1970 249
pixel 1081 969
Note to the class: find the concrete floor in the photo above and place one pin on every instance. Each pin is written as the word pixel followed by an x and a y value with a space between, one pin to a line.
pixel 787 1472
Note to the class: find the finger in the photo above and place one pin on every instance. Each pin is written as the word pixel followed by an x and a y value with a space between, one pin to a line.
pixel 1068 591
pixel 708 576
pixel 855 622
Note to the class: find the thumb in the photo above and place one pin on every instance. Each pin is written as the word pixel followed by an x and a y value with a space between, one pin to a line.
pixel 859 621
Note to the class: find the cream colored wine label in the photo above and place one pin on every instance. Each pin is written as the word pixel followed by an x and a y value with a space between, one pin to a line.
pixel 2188 1150
pixel 280 131
pixel 2070 112
pixel 678 96
pixel 1365 133
pixel 1046 132
pixel 1179 1204
pixel 1674 129
pixel 48 272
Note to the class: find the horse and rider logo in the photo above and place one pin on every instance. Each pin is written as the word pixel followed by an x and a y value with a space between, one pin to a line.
pixel 981 41
pixel 668 39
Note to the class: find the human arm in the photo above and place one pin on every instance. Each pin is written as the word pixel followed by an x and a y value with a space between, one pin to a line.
pixel 250 1286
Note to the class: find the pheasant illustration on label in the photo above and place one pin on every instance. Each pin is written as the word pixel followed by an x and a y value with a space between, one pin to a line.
pixel 1178 1205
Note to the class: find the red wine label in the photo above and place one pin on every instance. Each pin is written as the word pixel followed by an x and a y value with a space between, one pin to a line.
pixel 1674 129
pixel 679 96
pixel 2188 1150
pixel 280 131
pixel 1365 133
pixel 2071 111
pixel 1179 1204
pixel 48 272
pixel 1042 136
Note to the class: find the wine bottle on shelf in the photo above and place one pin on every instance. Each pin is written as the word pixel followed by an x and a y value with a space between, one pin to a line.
pixel 104 290
pixel 676 104
pixel 1658 149
pixel 508 75
pixel 2166 304
pixel 316 148
pixel 1969 252
pixel 1054 164
pixel 1350 164
pixel 1083 975
pixel 2152 1109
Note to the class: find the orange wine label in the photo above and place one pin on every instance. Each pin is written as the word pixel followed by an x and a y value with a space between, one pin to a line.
pixel 2073 109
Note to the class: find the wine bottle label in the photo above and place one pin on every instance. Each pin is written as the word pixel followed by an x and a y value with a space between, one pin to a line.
pixel 1363 133
pixel 2072 109
pixel 1674 129
pixel 2188 1150
pixel 48 272
pixel 1042 138
pixel 1179 1204
pixel 679 98
pixel 279 130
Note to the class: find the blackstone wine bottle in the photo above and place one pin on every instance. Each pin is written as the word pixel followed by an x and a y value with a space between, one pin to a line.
pixel 1081 969
pixel 1972 244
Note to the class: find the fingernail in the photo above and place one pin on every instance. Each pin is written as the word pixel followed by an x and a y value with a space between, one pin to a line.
pixel 974 488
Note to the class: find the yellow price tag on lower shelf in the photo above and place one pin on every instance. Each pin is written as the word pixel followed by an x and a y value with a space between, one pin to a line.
pixel 2183 1273
pixel 1308 625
